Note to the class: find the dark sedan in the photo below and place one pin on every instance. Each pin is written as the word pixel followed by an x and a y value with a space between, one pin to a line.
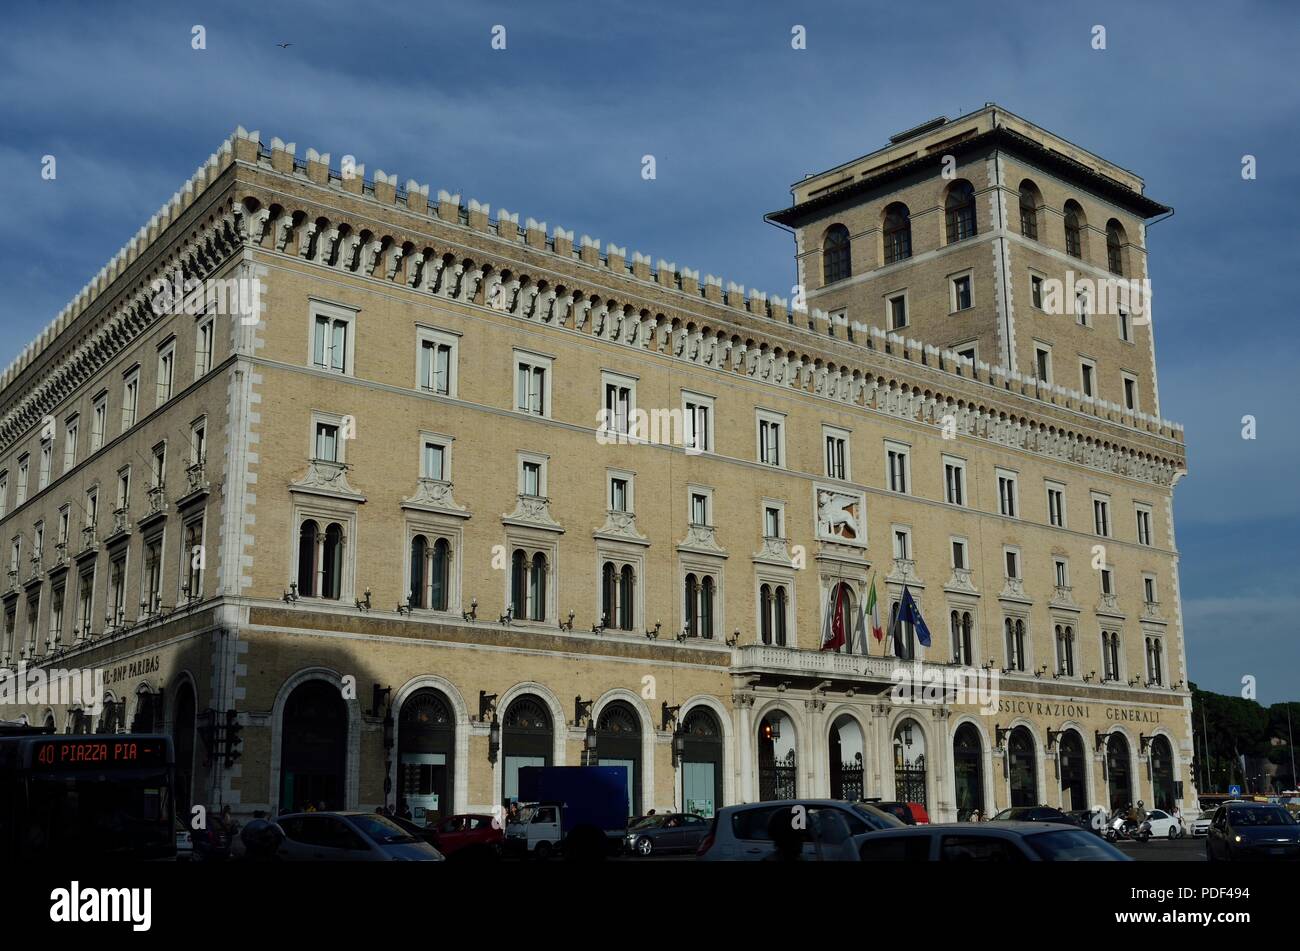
pixel 670 832
pixel 1249 831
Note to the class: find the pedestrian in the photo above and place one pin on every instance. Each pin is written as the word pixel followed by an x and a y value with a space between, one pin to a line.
pixel 1178 818
pixel 976 816
pixel 406 812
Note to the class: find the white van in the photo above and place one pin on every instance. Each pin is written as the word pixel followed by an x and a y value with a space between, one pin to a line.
pixel 536 831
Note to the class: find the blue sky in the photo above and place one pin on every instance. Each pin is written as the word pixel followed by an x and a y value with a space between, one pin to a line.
pixel 555 125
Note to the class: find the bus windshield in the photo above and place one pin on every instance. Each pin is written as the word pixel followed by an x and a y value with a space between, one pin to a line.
pixel 96 813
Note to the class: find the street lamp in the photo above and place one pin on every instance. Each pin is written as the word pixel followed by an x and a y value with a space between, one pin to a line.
pixel 589 743
pixel 494 739
pixel 679 745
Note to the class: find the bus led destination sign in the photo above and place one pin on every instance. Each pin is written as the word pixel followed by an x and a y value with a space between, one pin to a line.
pixel 77 754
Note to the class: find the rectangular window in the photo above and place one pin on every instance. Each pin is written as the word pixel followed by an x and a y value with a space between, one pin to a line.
pixel 619 405
pixel 1087 370
pixel 902 543
pixel 698 420
pixel 532 476
pixel 1149 590
pixel 1043 363
pixel 204 347
pixel 954 480
pixel 617 494
pixel 332 342
pixel 151 583
pixel 898 469
pixel 85 600
pixel 327 442
pixel 124 488
pixel 837 453
pixel 968 353
pixel 961 293
pixel 47 461
pixel 958 553
pixel 1007 495
pixel 92 507
pixel 1125 327
pixel 130 400
pixel 1101 515
pixel 772 522
pixel 70 429
pixel 24 466
pixel 437 361
pixel 898 312
pixel 1013 563
pixel 1056 505
pixel 699 508
pixel 1036 290
pixel 1062 573
pixel 771 443
pixel 1106 585
pixel 433 461
pixel 532 385
pixel 1143 525
pixel 65 522
pixel 98 422
pixel 198 442
pixel 166 371
pixel 1130 392
pixel 4 494
pixel 158 467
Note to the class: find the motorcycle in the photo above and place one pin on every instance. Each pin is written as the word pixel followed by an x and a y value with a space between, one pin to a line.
pixel 1124 828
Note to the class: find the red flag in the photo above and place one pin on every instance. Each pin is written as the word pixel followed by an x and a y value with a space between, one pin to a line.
pixel 835 629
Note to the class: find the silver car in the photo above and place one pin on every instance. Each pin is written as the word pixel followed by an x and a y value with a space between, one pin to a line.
pixel 349 837
pixel 835 830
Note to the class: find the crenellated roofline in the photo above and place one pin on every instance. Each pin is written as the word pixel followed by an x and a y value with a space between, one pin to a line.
pixel 500 250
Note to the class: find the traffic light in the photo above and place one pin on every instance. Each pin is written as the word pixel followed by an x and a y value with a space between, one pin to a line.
pixel 232 738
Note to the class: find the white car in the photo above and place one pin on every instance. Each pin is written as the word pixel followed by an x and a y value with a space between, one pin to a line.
pixel 1201 824
pixel 1165 826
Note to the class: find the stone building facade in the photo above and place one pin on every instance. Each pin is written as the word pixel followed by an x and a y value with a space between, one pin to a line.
pixel 417 496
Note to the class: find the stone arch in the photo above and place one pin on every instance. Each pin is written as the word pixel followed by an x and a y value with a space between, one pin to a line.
pixel 351 783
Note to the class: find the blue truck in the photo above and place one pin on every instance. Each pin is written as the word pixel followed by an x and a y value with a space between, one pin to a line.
pixel 578 810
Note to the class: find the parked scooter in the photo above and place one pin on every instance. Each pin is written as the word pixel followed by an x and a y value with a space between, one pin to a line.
pixel 1125 828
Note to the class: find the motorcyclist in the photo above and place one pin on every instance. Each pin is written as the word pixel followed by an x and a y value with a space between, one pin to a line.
pixel 1141 812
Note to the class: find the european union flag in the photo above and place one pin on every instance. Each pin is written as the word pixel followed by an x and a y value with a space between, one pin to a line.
pixel 909 611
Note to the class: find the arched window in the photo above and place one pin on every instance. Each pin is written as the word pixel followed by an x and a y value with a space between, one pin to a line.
pixel 765 613
pixel 1015 632
pixel 307 558
pixel 1065 650
pixel 519 583
pixel 608 594
pixel 1110 655
pixel 706 606
pixel 537 588
pixel 1074 228
pixel 626 601
pixel 779 617
pixel 837 259
pixel 1115 246
pixel 1030 202
pixel 898 233
pixel 960 622
pixel 691 613
pixel 332 562
pixel 617 590
pixel 959 210
pixel 419 553
pixel 439 573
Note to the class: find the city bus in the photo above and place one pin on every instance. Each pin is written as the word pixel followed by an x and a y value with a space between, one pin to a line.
pixel 85 797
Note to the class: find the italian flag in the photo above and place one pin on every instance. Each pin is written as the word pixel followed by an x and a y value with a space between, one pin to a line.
pixel 873 608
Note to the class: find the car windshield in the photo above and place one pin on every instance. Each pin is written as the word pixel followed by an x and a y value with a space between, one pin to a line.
pixel 1068 845
pixel 1272 816
pixel 647 822
pixel 1207 814
pixel 876 818
pixel 1006 814
pixel 381 830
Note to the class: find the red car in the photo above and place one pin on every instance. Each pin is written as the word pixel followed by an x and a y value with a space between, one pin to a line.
pixel 456 833
pixel 910 813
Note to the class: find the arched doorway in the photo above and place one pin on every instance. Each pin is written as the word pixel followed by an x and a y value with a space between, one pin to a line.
pixel 527 739
pixel 702 763
pixel 777 758
pixel 183 748
pixel 968 771
pixel 1162 774
pixel 426 750
pixel 1022 767
pixel 313 747
pixel 1119 774
pixel 909 763
pixel 1074 771
pixel 847 753
pixel 144 719
pixel 618 743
